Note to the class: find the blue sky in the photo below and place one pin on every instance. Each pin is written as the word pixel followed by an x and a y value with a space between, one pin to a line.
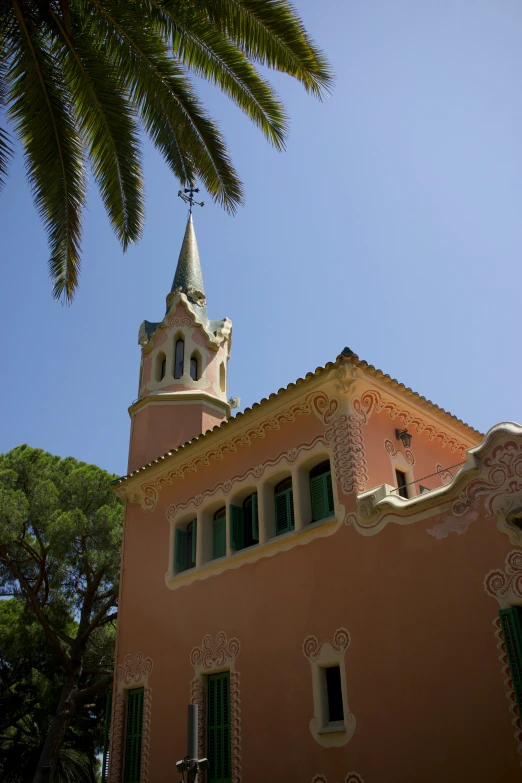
pixel 391 225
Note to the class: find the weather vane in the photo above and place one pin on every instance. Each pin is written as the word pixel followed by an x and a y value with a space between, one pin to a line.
pixel 189 199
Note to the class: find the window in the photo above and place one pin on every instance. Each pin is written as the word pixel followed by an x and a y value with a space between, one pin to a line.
pixel 511 622
pixel 179 356
pixel 194 368
pixel 185 547
pixel 222 379
pixel 401 483
pixel 161 366
pixel 321 491
pixel 334 694
pixel 284 506
pixel 218 728
pixel 244 523
pixel 219 534
pixel 133 729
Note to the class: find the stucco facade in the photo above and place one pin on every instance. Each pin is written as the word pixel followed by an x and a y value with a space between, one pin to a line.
pixel 401 594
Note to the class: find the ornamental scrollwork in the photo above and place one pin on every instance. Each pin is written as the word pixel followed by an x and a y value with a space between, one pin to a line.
pixel 340 642
pixel 502 484
pixel 506 585
pixel 351 777
pixel 206 657
pixel 134 671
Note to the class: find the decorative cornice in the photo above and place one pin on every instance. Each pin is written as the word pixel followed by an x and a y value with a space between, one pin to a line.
pixel 155 398
pixel 340 642
pixel 346 372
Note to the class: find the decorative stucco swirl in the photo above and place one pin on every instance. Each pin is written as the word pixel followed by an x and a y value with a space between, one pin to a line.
pixel 312 647
pixel 500 482
pixel 506 585
pixel 134 671
pixel 206 659
pixel 351 777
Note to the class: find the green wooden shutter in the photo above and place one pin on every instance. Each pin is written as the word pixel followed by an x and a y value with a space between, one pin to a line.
pixel 322 496
pixel 237 528
pixel 180 550
pixel 318 497
pixel 133 730
pixel 511 621
pixel 284 511
pixel 329 493
pixel 194 540
pixel 255 518
pixel 219 542
pixel 218 728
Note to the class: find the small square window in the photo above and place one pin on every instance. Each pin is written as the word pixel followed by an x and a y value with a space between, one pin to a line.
pixel 334 694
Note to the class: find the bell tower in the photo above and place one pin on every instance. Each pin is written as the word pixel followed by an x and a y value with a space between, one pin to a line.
pixel 183 372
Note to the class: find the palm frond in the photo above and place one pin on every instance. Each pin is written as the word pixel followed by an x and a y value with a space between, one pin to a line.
pixel 270 32
pixel 42 113
pixel 108 125
pixel 168 105
pixel 198 45
pixel 6 153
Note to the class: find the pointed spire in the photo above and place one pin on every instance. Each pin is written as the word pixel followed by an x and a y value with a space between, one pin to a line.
pixel 188 275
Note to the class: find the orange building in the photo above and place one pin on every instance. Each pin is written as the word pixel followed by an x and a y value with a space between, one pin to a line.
pixel 334 576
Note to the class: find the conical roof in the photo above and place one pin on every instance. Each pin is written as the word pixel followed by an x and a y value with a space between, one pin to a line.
pixel 188 277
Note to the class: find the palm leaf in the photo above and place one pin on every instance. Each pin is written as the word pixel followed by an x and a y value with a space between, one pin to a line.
pixel 6 153
pixel 270 32
pixel 42 113
pixel 207 52
pixel 170 110
pixel 6 148
pixel 108 126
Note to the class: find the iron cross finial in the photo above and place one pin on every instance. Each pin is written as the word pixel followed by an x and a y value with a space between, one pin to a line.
pixel 189 199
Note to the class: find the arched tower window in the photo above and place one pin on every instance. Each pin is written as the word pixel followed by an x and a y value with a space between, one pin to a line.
pixel 161 366
pixel 179 355
pixel 222 379
pixel 194 369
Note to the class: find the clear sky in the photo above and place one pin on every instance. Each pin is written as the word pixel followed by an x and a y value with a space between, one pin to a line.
pixel 392 224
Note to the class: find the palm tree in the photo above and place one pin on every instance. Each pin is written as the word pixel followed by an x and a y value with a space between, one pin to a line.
pixel 79 77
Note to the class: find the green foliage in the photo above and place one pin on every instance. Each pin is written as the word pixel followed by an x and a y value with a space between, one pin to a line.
pixel 60 537
pixel 78 77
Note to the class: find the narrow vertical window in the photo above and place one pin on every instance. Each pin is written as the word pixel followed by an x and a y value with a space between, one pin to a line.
pixel 179 357
pixel 194 374
pixel 284 506
pixel 402 483
pixel 244 523
pixel 185 547
pixel 222 379
pixel 161 366
pixel 133 731
pixel 218 728
pixel 321 491
pixel 219 534
pixel 334 694
pixel 511 623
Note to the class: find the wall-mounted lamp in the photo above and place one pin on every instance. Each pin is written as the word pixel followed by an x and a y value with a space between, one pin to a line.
pixel 405 436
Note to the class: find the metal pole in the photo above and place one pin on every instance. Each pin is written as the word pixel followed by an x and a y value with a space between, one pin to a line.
pixel 192 732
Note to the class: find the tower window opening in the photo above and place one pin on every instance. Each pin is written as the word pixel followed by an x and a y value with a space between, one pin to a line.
pixel 194 369
pixel 334 694
pixel 222 378
pixel 161 366
pixel 179 357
